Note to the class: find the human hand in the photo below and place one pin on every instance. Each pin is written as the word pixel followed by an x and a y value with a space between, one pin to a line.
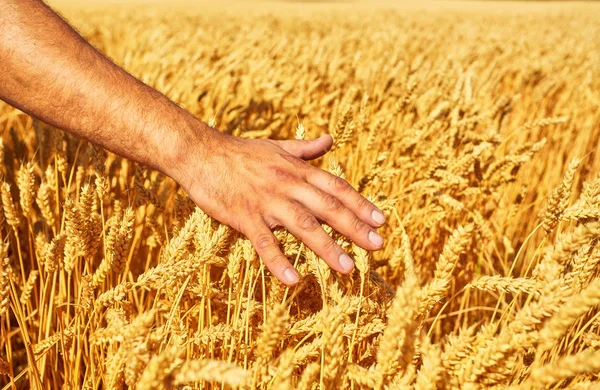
pixel 255 186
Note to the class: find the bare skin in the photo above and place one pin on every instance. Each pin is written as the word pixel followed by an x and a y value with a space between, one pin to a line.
pixel 49 71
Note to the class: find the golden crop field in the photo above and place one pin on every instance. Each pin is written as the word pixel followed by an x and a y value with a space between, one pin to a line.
pixel 474 126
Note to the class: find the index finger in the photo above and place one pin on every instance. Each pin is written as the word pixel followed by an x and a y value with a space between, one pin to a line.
pixel 267 247
pixel 342 190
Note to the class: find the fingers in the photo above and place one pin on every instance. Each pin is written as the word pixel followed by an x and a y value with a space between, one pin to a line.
pixel 307 150
pixel 343 191
pixel 267 247
pixel 303 224
pixel 330 209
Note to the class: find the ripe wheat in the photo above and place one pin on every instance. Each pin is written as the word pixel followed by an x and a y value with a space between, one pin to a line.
pixel 475 130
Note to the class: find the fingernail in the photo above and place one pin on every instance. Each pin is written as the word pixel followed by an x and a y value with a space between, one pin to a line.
pixel 290 276
pixel 378 217
pixel 375 238
pixel 346 262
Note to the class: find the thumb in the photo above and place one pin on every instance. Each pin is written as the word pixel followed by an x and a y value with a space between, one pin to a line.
pixel 307 150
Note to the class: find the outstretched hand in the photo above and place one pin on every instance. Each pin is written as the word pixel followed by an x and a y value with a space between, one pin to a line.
pixel 255 186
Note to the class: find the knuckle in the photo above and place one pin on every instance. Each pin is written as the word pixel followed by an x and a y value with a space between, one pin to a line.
pixel 265 241
pixel 331 202
pixel 282 174
pixel 331 246
pixel 251 208
pixel 358 224
pixel 363 203
pixel 306 221
pixel 339 185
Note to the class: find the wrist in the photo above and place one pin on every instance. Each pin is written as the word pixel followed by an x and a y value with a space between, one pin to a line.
pixel 190 149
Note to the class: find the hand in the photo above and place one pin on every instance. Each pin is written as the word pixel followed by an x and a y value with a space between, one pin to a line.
pixel 255 186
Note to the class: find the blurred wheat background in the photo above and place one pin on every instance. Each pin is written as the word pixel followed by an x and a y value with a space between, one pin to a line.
pixel 474 126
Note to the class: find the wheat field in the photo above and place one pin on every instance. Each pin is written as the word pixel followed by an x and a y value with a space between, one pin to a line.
pixel 474 126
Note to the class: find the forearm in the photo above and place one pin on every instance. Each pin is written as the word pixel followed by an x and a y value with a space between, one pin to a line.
pixel 47 70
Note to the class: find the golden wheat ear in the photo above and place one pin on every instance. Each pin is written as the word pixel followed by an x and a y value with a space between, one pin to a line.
pixel 472 126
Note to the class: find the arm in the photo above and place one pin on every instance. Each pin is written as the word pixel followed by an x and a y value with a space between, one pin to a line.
pixel 49 71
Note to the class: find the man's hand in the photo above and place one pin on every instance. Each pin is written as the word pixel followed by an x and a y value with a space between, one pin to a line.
pixel 251 185
pixel 255 186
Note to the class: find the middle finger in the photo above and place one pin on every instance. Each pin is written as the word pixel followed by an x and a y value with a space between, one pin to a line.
pixel 331 210
pixel 304 226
